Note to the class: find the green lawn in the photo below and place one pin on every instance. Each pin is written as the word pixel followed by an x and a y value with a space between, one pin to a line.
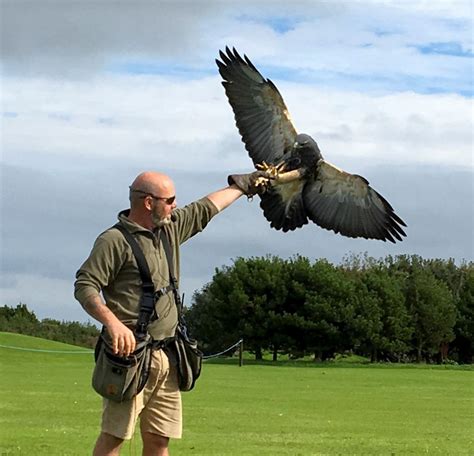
pixel 48 408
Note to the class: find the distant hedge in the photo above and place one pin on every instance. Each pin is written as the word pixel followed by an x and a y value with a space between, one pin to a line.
pixel 21 320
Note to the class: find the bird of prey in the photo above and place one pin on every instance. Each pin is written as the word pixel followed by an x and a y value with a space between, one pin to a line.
pixel 303 185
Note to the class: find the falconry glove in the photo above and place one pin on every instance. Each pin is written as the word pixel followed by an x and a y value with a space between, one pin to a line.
pixel 251 183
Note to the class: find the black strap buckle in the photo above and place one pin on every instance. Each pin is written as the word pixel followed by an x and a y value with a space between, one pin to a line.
pixel 161 292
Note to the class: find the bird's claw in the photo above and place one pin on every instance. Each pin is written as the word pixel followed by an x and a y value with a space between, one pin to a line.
pixel 272 171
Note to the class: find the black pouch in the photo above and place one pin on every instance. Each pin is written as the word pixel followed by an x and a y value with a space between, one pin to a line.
pixel 188 358
pixel 121 378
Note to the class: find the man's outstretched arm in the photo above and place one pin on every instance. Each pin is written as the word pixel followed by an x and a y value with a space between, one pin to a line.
pixel 239 184
pixel 225 197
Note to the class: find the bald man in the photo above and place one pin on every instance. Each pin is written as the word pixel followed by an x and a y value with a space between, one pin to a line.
pixel 108 286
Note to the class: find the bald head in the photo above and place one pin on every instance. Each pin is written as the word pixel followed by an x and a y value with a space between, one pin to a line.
pixel 152 200
pixel 151 182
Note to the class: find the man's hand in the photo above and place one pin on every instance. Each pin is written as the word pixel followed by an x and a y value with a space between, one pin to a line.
pixel 123 339
pixel 251 183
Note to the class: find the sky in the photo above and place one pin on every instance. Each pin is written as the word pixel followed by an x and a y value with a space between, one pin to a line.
pixel 95 92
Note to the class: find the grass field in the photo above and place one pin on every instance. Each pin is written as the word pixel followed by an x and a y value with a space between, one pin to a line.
pixel 47 407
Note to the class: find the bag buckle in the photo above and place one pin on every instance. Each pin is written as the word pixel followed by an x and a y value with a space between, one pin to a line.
pixel 161 292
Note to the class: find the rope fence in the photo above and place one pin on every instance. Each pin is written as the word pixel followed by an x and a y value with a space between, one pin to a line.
pixel 215 355
pixel 81 352
pixel 74 352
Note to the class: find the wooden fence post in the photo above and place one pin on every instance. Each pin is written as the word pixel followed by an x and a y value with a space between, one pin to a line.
pixel 241 353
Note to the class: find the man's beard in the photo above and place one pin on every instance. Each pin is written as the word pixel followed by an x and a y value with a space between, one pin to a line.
pixel 159 221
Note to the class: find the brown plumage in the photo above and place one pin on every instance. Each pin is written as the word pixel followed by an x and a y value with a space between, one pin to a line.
pixel 307 186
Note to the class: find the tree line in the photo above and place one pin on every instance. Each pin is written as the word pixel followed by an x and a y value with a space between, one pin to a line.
pixel 398 309
pixel 21 320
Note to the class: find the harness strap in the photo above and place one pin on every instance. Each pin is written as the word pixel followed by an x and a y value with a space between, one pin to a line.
pixel 150 296
pixel 147 304
pixel 173 280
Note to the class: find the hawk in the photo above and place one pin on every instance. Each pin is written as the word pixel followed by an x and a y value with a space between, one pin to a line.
pixel 303 185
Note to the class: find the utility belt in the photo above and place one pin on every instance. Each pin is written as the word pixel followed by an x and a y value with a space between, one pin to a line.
pixel 162 344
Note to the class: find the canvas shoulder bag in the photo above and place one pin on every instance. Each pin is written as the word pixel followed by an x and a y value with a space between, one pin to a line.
pixel 121 378
pixel 183 347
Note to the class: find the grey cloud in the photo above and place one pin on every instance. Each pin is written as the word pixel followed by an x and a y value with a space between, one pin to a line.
pixel 61 215
pixel 436 205
pixel 69 38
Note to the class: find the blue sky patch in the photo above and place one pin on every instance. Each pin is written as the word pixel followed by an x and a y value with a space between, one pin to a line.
pixel 371 82
pixel 279 24
pixel 451 48
pixel 400 82
pixel 282 25
pixel 60 116
pixel 380 32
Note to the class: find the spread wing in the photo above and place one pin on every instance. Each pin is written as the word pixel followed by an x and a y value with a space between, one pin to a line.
pixel 283 206
pixel 346 204
pixel 260 112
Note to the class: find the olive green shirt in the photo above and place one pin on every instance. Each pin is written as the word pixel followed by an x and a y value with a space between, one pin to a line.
pixel 111 268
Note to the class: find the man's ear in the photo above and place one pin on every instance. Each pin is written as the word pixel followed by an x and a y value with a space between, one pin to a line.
pixel 148 202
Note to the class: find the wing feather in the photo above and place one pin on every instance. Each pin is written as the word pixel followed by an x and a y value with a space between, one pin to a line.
pixel 346 204
pixel 260 113
pixel 283 206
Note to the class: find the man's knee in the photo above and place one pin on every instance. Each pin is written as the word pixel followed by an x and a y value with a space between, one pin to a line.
pixel 107 445
pixel 155 442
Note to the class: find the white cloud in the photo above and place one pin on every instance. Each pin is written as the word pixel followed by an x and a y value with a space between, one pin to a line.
pixel 189 124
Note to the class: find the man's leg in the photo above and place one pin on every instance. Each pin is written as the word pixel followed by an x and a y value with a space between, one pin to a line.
pixel 154 444
pixel 107 445
pixel 161 419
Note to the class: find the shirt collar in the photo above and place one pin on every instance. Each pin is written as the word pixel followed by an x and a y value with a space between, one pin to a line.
pixel 132 226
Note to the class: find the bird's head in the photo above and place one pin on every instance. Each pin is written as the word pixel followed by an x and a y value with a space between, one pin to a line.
pixel 304 143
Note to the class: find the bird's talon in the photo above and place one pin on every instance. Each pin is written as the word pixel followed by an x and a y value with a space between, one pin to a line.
pixel 272 171
pixel 261 182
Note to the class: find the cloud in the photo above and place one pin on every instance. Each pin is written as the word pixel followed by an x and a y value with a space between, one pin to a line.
pixel 160 122
pixel 48 298
pixel 369 45
pixel 46 242
pixel 75 38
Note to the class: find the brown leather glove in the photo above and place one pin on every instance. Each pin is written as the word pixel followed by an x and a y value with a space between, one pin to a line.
pixel 251 183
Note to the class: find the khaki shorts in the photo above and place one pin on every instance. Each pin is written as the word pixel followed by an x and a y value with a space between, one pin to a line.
pixel 158 405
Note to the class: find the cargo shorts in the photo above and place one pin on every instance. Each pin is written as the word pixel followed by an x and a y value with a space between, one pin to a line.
pixel 158 406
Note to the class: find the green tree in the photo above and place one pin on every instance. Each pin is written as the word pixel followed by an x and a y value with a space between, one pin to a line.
pixel 239 302
pixel 433 311
pixel 391 341
pixel 464 328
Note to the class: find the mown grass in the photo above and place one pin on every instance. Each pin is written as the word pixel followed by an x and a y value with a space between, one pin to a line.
pixel 48 408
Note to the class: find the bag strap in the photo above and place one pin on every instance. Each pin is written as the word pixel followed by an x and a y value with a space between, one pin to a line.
pixel 147 304
pixel 173 281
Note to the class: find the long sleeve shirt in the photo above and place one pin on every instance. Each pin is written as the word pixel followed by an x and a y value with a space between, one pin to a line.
pixel 111 268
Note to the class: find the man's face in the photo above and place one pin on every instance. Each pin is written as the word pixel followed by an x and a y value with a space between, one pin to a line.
pixel 161 211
